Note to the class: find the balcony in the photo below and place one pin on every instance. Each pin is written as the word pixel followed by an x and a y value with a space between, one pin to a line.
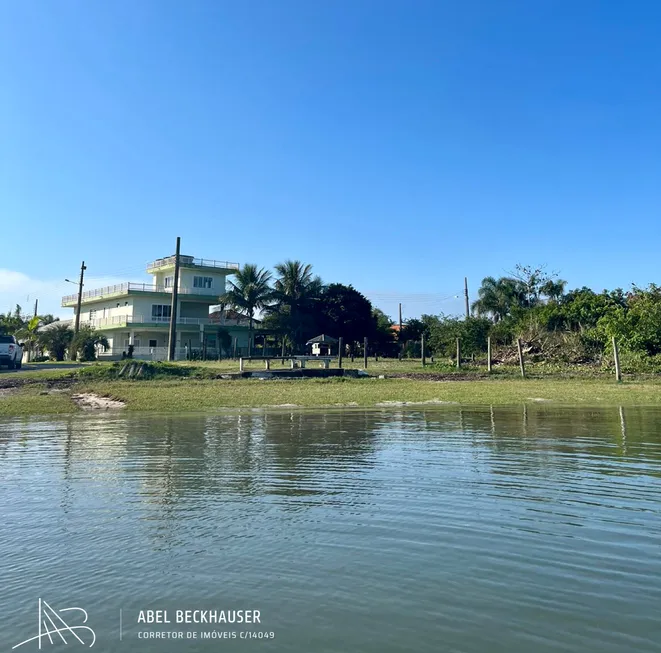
pixel 190 261
pixel 119 321
pixel 130 287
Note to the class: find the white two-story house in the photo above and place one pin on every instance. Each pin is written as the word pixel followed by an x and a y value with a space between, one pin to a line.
pixel 138 314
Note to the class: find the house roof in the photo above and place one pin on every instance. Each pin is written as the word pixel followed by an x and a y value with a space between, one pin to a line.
pixel 52 325
pixel 322 338
pixel 232 316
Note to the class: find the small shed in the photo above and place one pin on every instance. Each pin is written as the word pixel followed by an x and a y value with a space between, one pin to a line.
pixel 322 345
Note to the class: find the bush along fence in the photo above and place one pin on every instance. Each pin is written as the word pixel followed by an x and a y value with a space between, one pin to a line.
pixel 517 354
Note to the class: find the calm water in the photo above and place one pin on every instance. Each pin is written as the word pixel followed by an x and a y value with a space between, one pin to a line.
pixel 470 530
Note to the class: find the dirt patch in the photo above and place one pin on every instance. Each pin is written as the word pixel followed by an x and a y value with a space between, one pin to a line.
pixel 15 383
pixel 437 376
pixel 91 401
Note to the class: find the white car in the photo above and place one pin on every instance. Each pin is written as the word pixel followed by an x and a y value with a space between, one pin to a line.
pixel 11 352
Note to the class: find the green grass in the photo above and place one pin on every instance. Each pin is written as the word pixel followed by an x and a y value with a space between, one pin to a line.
pixel 29 400
pixel 192 386
pixel 183 395
pixel 188 395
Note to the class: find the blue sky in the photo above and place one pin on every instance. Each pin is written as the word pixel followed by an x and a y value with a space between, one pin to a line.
pixel 398 146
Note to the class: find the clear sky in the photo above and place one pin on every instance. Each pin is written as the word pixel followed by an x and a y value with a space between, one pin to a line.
pixel 397 146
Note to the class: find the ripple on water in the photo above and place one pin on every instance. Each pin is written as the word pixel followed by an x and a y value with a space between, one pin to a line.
pixel 387 530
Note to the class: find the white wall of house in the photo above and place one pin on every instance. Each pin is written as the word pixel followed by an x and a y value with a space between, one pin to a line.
pixel 186 279
pixel 106 308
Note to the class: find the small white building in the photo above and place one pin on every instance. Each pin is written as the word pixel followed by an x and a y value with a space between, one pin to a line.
pixel 138 314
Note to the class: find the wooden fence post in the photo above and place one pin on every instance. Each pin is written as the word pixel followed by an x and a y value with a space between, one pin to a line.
pixel 422 349
pixel 458 353
pixel 521 364
pixel 489 354
pixel 339 352
pixel 616 356
pixel 365 351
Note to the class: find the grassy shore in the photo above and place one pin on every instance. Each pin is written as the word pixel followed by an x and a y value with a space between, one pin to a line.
pixel 52 391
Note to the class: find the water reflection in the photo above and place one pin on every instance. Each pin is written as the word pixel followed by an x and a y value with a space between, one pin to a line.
pixel 226 453
pixel 519 527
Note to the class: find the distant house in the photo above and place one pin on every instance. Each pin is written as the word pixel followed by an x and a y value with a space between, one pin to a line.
pixel 396 330
pixel 322 345
pixel 139 314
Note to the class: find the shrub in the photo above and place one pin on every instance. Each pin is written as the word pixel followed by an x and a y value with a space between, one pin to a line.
pixel 85 342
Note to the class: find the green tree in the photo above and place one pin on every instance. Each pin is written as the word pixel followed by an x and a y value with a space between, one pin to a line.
pixel 56 340
pixel 28 333
pixel 535 283
pixel 498 297
pixel 296 295
pixel 249 291
pixel 637 327
pixel 11 322
pixel 85 342
pixel 344 312
pixel 444 331
pixel 382 337
pixel 413 330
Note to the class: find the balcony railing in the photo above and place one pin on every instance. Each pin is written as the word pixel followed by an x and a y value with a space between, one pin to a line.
pixel 128 320
pixel 189 260
pixel 124 288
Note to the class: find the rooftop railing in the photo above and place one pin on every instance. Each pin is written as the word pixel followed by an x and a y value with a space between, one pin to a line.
pixel 190 260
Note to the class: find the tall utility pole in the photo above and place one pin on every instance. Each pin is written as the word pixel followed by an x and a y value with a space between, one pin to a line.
pixel 36 305
pixel 172 342
pixel 468 313
pixel 399 333
pixel 76 325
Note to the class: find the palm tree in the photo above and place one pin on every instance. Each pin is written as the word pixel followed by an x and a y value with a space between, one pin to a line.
pixel 28 332
pixel 554 290
pixel 249 291
pixel 497 297
pixel 56 340
pixel 295 292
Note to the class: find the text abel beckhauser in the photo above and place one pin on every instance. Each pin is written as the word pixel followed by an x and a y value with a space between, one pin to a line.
pixel 199 617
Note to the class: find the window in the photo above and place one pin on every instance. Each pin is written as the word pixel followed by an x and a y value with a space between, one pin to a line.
pixel 117 304
pixel 169 282
pixel 152 343
pixel 161 311
pixel 202 282
pixel 92 314
pixel 126 303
